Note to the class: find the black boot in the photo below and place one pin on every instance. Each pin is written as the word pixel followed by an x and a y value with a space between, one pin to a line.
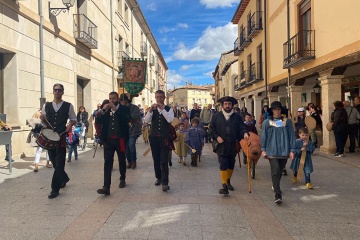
pixel 224 190
pixel 104 190
pixel 228 184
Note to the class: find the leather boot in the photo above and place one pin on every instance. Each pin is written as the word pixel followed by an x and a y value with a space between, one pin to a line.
pixel 228 184
pixel 224 190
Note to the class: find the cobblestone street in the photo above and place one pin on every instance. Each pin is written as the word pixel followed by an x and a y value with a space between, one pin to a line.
pixel 192 209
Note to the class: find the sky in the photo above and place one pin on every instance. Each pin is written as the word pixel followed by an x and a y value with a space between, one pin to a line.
pixel 191 35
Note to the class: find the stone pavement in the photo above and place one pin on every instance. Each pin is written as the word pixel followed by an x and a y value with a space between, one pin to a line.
pixel 192 209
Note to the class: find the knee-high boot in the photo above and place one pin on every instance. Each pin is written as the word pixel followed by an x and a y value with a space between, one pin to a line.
pixel 224 177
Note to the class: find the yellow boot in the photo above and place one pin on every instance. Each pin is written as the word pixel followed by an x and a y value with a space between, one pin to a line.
pixel 309 186
pixel 294 180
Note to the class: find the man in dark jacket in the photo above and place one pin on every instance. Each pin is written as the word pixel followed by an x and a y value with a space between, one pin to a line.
pixel 114 118
pixel 194 111
pixel 227 128
pixel 134 130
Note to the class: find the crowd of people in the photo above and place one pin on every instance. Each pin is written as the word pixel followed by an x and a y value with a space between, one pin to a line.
pixel 118 124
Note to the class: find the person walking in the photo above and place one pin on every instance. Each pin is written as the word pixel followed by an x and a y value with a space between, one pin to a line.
pixel 114 119
pixel 82 118
pixel 134 130
pixel 299 121
pixel 195 140
pixel 56 114
pixel 227 128
pixel 5 127
pixel 205 116
pixel 277 145
pixel 353 118
pixel 160 117
pixel 194 111
pixel 72 141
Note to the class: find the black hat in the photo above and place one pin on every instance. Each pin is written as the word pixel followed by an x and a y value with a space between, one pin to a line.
pixel 124 96
pixel 276 104
pixel 228 99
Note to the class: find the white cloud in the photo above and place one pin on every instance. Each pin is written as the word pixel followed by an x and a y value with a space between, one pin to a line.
pixel 210 45
pixel 185 67
pixel 217 3
pixel 152 7
pixel 173 29
pixel 173 79
pixel 182 25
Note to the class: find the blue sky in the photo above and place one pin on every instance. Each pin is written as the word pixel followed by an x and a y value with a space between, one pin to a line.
pixel 191 35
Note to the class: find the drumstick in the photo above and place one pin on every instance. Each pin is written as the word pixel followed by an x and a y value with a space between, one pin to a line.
pixel 183 161
pixel 95 149
pixel 192 150
pixel 147 151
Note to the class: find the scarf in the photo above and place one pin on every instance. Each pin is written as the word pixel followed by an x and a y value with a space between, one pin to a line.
pixel 227 115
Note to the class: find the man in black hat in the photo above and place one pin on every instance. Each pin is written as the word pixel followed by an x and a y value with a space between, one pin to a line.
pixel 227 128
pixel 114 119
pixel 277 144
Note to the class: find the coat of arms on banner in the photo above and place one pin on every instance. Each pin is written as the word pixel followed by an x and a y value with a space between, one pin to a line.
pixel 134 75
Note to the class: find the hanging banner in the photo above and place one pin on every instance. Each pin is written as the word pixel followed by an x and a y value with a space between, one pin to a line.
pixel 134 75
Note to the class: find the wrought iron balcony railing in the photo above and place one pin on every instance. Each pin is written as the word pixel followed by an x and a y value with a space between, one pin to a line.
pixel 236 83
pixel 243 79
pixel 255 72
pixel 152 60
pixel 302 49
pixel 85 31
pixel 244 39
pixel 237 49
pixel 255 24
pixel 120 56
pixel 143 48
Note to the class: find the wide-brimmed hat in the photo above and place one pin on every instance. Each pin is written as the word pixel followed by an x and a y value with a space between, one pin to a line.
pixel 228 99
pixel 277 104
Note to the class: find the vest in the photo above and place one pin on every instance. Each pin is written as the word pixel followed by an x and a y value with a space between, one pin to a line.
pixel 58 119
pixel 159 125
pixel 114 125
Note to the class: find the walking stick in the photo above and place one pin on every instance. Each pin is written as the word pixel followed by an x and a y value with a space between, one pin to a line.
pixel 192 149
pixel 302 162
pixel 95 149
pixel 185 164
pixel 147 151
pixel 248 168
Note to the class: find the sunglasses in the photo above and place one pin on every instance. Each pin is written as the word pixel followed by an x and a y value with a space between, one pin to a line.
pixel 58 90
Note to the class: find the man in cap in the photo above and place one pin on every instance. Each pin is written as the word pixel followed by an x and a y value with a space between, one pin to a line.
pixel 227 128
pixel 277 145
pixel 299 121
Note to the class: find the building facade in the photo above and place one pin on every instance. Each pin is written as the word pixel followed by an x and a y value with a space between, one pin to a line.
pixel 298 52
pixel 187 95
pixel 82 49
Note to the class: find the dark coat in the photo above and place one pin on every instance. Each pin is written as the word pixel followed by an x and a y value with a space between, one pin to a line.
pixel 231 131
pixel 83 118
pixel 340 119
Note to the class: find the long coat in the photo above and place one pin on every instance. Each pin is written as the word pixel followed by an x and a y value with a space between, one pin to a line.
pixel 308 166
pixel 180 147
pixel 195 139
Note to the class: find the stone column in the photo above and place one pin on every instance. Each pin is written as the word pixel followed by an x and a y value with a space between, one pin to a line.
pixel 248 105
pixel 241 103
pixel 295 96
pixel 330 92
pixel 272 97
pixel 257 109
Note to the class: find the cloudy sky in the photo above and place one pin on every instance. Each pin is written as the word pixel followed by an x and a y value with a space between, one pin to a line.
pixel 191 35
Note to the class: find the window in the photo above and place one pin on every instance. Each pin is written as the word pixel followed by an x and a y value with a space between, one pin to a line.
pixel 121 43
pixel 127 49
pixel 120 7
pixel 260 63
pixel 126 14
pixel 80 92
pixel 205 101
pixel 305 24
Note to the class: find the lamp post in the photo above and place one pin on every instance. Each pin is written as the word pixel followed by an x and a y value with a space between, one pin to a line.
pixel 56 11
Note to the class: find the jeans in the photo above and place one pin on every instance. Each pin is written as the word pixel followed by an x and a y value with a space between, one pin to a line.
pixel 277 165
pixel 307 177
pixel 131 149
pixel 313 136
pixel 72 148
pixel 7 151
pixel 352 130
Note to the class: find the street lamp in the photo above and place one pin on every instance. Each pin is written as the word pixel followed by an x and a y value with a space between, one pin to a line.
pixel 56 11
pixel 317 87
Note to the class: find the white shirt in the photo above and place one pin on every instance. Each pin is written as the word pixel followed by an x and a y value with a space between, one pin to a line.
pixel 169 116
pixel 57 106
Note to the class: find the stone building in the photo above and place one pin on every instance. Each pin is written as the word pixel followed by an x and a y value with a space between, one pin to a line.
pixel 82 47
pixel 187 95
pixel 297 53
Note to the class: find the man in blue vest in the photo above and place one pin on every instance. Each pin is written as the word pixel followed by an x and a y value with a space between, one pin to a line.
pixel 57 114
pixel 114 119
pixel 160 116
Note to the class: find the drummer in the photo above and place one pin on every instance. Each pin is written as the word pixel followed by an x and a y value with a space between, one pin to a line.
pixel 56 114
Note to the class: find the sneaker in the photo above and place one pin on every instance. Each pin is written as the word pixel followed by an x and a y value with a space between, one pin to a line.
pixel 294 180
pixel 339 155
pixel 278 199
pixel 336 154
pixel 309 186
pixel 284 172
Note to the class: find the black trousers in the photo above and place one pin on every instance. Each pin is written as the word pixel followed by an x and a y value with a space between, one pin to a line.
pixel 57 157
pixel 160 153
pixel 206 132
pixel 352 131
pixel 277 165
pixel 226 162
pixel 110 147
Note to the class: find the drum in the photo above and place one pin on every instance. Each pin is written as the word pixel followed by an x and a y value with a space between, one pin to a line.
pixel 48 139
pixel 310 122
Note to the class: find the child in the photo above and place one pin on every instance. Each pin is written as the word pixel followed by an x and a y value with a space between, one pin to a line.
pixel 180 147
pixel 72 140
pixel 145 132
pixel 250 126
pixel 184 119
pixel 301 144
pixel 195 140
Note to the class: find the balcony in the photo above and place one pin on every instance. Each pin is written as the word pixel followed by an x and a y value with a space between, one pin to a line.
pixel 302 49
pixel 236 83
pixel 157 69
pixel 152 60
pixel 242 79
pixel 237 49
pixel 244 40
pixel 85 31
pixel 255 24
pixel 121 55
pixel 255 72
pixel 143 48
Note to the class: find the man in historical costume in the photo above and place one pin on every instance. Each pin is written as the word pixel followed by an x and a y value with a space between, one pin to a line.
pixel 227 128
pixel 160 117
pixel 205 117
pixel 277 144
pixel 134 130
pixel 114 120
pixel 56 114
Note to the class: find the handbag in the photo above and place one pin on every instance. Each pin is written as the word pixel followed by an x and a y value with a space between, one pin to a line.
pixel 329 126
